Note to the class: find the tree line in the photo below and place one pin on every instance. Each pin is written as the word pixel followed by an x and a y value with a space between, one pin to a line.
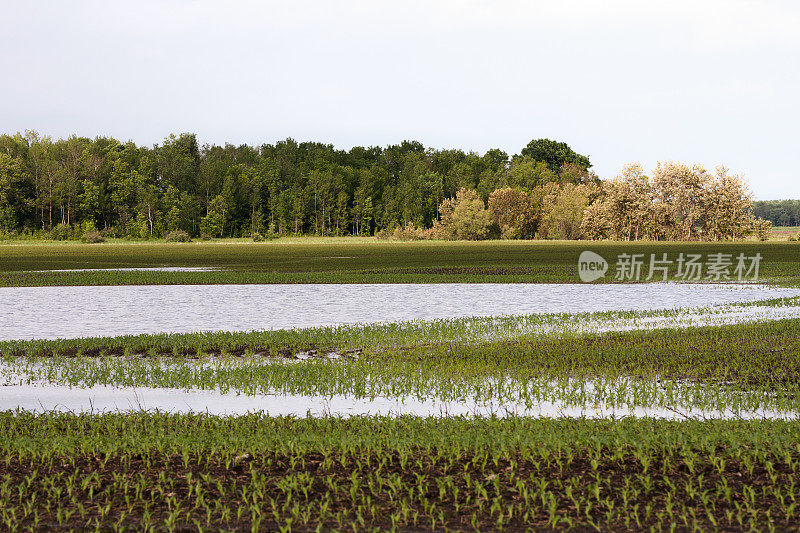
pixel 66 185
pixel 66 188
pixel 779 212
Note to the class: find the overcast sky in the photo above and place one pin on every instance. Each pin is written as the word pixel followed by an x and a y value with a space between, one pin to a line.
pixel 696 81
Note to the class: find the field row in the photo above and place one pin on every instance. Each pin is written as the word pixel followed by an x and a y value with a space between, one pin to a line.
pixel 357 260
pixel 253 473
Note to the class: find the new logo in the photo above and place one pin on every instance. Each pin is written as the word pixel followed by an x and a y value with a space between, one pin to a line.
pixel 591 266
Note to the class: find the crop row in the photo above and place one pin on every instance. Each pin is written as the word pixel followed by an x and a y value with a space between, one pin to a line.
pixel 352 261
pixel 255 473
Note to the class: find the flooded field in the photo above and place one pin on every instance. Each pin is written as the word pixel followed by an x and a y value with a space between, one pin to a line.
pixel 560 393
pixel 320 385
pixel 99 399
pixel 72 312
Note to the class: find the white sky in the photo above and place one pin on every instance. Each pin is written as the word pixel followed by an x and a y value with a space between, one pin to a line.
pixel 712 81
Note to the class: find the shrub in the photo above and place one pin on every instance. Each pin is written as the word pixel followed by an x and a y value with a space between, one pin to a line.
pixel 257 237
pixel 177 236
pixel 93 237
pixel 410 232
pixel 762 229
pixel 61 232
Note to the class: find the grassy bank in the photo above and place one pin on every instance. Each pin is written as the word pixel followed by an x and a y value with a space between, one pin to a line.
pixel 252 473
pixel 352 260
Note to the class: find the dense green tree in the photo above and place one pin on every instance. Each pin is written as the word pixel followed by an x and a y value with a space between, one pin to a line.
pixel 179 161
pixel 12 200
pixel 779 212
pixel 526 173
pixel 554 154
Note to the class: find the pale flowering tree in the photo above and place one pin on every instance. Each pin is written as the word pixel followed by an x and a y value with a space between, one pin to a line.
pixel 728 202
pixel 680 189
pixel 625 209
pixel 514 212
pixel 679 202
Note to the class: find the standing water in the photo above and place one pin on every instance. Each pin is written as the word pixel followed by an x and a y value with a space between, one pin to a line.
pixel 71 312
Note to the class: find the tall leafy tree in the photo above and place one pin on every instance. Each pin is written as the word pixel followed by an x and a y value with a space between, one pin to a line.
pixel 554 154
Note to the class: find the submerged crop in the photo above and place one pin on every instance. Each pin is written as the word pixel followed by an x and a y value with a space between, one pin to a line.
pixel 732 370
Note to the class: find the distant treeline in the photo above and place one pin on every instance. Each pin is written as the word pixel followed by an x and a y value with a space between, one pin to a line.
pixel 95 188
pixel 779 212
pixel 62 187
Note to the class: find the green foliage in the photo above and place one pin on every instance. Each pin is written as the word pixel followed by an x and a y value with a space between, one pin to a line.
pixel 62 232
pixel 227 191
pixel 143 227
pixel 12 201
pixel 527 173
pixel 779 212
pixel 554 154
pixel 177 236
pixel 214 222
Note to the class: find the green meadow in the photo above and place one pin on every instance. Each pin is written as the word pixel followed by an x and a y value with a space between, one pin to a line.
pixel 353 260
